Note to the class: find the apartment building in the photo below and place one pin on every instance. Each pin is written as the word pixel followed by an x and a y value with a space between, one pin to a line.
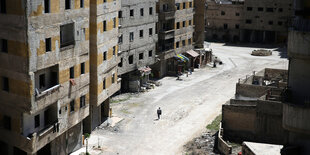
pixel 44 75
pixel 104 59
pixel 176 28
pixel 224 19
pixel 265 21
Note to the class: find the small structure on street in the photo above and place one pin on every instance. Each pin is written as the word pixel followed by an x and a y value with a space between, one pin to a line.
pixel 261 52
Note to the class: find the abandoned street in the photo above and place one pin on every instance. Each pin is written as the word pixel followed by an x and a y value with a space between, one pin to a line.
pixel 188 105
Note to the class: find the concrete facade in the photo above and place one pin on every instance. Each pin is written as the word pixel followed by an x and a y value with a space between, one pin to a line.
pixel 176 28
pixel 104 58
pixel 137 38
pixel 44 72
pixel 199 22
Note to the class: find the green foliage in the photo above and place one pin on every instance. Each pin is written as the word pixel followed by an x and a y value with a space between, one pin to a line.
pixel 214 126
pixel 87 135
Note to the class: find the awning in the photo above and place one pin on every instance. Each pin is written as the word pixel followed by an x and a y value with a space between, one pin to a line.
pixel 145 69
pixel 183 57
pixel 192 53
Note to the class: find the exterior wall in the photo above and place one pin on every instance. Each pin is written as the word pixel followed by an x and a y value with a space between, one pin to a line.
pixel 134 24
pixel 26 28
pixel 199 22
pixel 104 24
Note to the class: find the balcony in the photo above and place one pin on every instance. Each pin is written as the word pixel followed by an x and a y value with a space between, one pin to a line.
pixel 166 34
pixel 167 15
pixel 295 117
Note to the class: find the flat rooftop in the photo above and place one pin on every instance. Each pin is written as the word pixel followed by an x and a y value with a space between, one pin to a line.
pixel 263 148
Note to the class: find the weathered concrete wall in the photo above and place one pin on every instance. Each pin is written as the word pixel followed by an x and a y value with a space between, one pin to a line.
pixel 253 91
pixel 199 22
pixel 222 145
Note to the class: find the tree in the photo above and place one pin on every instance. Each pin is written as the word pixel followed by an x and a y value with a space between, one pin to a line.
pixel 87 135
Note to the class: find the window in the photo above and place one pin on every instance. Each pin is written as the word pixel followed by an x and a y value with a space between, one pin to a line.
pixel 120 63
pixel 104 25
pixel 42 81
pixel 114 50
pixel 190 22
pixel 151 10
pixel 270 22
pixel 141 12
pixel 183 42
pixel 178 6
pixel 177 44
pixel 46 6
pixel 48 45
pixel 72 106
pixel 249 8
pixel 269 9
pixel 237 14
pixel 222 13
pixel 280 23
pixel 131 13
pixel 141 34
pixel 3 45
pixel 113 78
pixel 237 26
pixel 82 101
pixel 2 6
pixel 183 24
pixel 140 56
pixel 131 36
pixel 225 26
pixel 37 121
pixel 103 83
pixel 68 4
pixel 260 9
pixel 130 59
pixel 248 21
pixel 150 31
pixel 120 14
pixel 81 3
pixel 67 35
pixel 184 5
pixel 150 53
pixel 114 22
pixel 71 72
pixel 83 68
pixel 104 55
pixel 120 39
pixel 190 4
pixel 189 41
pixel 280 10
pixel 178 25
pixel 7 122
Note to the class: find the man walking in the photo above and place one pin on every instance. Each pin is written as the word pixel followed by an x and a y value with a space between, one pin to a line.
pixel 158 113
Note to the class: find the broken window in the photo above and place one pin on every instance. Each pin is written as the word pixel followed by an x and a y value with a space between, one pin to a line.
pixel 72 106
pixel 2 6
pixel 120 14
pixel 7 122
pixel 3 45
pixel 190 4
pixel 67 35
pixel 183 42
pixel 48 45
pixel 183 24
pixel 260 9
pixel 46 6
pixel 113 78
pixel 150 31
pixel 114 50
pixel 114 22
pixel 131 36
pixel 72 73
pixel 104 25
pixel 150 53
pixel 165 7
pixel 120 63
pixel 42 81
pixel 120 39
pixel 103 83
pixel 81 3
pixel 141 12
pixel 140 56
pixel 141 34
pixel 104 55
pixel 131 13
pixel 269 9
pixel 177 6
pixel 37 121
pixel 177 44
pixel 225 26
pixel 151 10
pixel 82 101
pixel 68 4
pixel 189 41
pixel 190 22
pixel 5 84
pixel 130 59
pixel 46 78
pixel 249 8
pixel 184 5
pixel 83 68
pixel 178 25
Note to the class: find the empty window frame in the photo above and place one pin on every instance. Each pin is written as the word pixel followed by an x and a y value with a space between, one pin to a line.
pixel 151 10
pixel 81 3
pixel 269 9
pixel 249 8
pixel 248 21
pixel 237 14
pixel 5 84
pixel 177 44
pixel 46 6
pixel 140 56
pixel 67 35
pixel 120 63
pixel 150 31
pixel 83 68
pixel 260 9
pixel 222 13
pixel 37 121
pixel 141 34
pixel 104 84
pixel 178 25
pixel 120 39
pixel 3 6
pixel 270 22
pixel 3 45
pixel 190 4
pixel 280 10
pixel 131 36
pixel 114 50
pixel 72 106
pixel 7 122
pixel 184 5
pixel 104 25
pixel 190 22
pixel 141 12
pixel 237 26
pixel 104 55
pixel 82 101
pixel 131 13
pixel 189 41
pixel 48 45
pixel 150 53
pixel 120 14
pixel 113 78
pixel 114 22
pixel 225 26
pixel 177 6
pixel 42 81
pixel 184 24
pixel 130 59
pixel 280 23
pixel 68 4
pixel 72 73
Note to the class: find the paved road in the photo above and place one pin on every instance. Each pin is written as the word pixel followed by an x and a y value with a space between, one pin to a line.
pixel 188 105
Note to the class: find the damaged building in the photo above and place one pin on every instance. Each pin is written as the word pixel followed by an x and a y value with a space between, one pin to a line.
pixel 104 81
pixel 44 75
pixel 137 42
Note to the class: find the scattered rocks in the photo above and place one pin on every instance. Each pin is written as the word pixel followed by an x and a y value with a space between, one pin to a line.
pixel 203 144
pixel 261 52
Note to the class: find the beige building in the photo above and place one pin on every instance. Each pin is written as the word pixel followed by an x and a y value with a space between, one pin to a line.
pixel 176 28
pixel 223 20
pixel 104 59
pixel 44 75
